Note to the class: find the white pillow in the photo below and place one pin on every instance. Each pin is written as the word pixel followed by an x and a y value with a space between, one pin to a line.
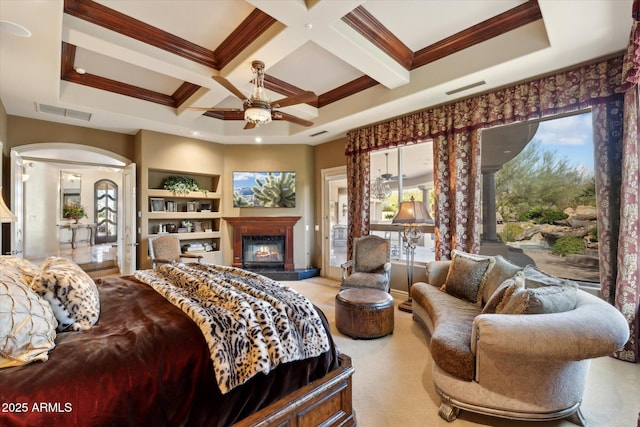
pixel 27 323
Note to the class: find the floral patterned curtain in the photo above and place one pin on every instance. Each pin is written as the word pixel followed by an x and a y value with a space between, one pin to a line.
pixel 455 130
pixel 617 149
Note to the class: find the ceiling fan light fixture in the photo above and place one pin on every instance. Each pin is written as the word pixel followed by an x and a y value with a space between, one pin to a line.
pixel 258 108
pixel 258 112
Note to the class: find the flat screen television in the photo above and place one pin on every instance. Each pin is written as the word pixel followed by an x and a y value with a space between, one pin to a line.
pixel 264 189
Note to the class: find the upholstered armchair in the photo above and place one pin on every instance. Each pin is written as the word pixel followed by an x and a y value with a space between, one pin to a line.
pixel 370 264
pixel 166 249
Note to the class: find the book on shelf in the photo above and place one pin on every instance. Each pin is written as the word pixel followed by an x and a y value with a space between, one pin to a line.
pixel 193 247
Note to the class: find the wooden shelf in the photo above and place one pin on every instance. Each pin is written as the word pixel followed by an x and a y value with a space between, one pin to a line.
pixel 168 194
pixel 183 215
pixel 195 235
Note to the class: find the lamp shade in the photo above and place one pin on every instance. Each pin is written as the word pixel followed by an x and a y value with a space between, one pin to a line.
pixel 412 212
pixel 5 214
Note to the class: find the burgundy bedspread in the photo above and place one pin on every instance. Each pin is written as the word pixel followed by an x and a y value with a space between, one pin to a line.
pixel 144 363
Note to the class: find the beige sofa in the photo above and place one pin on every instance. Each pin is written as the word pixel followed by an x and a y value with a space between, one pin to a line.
pixel 518 366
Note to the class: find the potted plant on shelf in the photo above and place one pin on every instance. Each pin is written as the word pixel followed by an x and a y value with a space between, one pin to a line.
pixel 181 185
pixel 74 211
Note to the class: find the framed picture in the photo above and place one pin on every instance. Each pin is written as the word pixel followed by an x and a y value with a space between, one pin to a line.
pixel 156 204
pixel 192 206
pixel 264 189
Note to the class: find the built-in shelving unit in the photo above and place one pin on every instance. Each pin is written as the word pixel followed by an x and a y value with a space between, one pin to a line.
pixel 169 212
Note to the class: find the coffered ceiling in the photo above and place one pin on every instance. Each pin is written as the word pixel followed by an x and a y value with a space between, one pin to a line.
pixel 126 65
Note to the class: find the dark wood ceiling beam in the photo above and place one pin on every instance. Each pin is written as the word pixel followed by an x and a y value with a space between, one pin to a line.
pixel 247 32
pixel 115 21
pixel 68 59
pixel 71 75
pixel 514 18
pixel 369 27
pixel 348 89
pixel 184 92
pixel 119 88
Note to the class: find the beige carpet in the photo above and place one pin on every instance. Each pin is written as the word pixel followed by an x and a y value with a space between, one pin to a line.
pixel 392 382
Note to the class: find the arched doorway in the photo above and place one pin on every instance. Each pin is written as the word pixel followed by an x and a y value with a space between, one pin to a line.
pixel 41 218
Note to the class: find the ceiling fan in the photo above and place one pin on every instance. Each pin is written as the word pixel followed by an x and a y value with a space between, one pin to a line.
pixel 257 109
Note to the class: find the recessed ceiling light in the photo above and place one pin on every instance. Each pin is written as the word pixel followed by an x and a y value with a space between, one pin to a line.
pixel 15 29
pixel 258 139
pixel 308 26
pixel 80 70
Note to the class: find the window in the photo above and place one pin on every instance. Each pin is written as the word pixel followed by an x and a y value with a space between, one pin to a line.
pixel 545 200
pixel 406 171
pixel 106 211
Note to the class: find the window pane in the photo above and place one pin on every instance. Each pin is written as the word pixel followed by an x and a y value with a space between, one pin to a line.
pixel 409 170
pixel 545 199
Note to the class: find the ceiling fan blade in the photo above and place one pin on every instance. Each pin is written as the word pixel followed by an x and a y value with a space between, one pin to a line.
pixel 212 109
pixel 279 115
pixel 230 87
pixel 226 114
pixel 298 98
pixel 249 125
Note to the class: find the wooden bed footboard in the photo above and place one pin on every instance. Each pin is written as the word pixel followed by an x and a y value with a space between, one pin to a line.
pixel 324 402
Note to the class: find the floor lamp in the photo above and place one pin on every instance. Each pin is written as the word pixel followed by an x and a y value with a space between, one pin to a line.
pixel 411 214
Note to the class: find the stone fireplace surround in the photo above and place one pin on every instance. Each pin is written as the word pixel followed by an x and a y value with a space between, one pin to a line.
pixel 268 226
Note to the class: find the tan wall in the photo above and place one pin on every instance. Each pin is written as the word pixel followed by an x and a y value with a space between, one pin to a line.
pixel 325 156
pixel 23 131
pixel 275 158
pixel 161 151
pixel 171 153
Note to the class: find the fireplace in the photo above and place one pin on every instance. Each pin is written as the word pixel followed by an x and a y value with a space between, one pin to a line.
pixel 263 252
pixel 263 242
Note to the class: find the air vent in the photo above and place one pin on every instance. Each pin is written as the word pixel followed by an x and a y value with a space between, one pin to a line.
pixel 64 112
pixel 471 86
pixel 318 133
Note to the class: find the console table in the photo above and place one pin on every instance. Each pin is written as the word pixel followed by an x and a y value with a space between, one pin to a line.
pixel 74 228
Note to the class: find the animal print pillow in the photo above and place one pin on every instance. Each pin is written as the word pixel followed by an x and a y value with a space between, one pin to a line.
pixel 71 292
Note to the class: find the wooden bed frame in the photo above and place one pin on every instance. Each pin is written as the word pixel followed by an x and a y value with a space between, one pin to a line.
pixel 326 402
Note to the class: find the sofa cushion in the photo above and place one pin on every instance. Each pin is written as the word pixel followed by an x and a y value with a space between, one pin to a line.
pixel 504 293
pixel 366 280
pixel 502 270
pixel 453 322
pixel 547 299
pixel 467 274
pixel 535 278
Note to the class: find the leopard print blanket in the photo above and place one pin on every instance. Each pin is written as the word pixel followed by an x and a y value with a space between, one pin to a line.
pixel 251 323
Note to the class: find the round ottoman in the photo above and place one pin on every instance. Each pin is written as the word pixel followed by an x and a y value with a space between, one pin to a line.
pixel 364 313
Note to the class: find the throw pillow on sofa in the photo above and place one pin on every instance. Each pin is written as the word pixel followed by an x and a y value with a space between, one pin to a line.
pixel 536 278
pixel 501 271
pixel 503 294
pixel 466 276
pixel 546 299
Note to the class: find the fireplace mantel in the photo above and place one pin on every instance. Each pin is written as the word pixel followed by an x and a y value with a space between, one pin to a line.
pixel 266 226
